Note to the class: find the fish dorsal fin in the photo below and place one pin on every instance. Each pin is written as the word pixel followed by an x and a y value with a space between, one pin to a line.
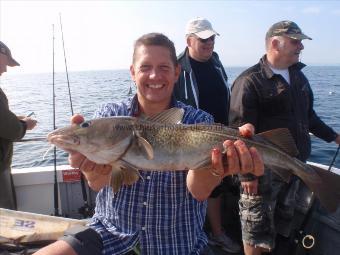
pixel 282 138
pixel 144 145
pixel 171 116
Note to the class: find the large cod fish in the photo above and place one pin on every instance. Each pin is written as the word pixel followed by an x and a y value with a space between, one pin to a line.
pixel 160 143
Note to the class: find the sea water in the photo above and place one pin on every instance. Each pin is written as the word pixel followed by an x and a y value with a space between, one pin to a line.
pixel 89 89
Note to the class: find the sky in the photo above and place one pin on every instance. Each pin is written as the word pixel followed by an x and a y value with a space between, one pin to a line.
pixel 99 35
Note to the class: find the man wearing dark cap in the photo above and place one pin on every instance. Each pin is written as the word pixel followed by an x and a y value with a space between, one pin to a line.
pixel 203 84
pixel 275 94
pixel 6 58
pixel 12 128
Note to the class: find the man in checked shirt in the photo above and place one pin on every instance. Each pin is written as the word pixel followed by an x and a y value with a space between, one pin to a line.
pixel 151 214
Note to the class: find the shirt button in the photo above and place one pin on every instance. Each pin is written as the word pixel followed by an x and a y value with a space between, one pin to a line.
pixel 145 203
pixel 148 177
pixel 143 228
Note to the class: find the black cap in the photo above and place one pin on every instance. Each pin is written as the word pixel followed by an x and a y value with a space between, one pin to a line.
pixel 286 28
pixel 6 51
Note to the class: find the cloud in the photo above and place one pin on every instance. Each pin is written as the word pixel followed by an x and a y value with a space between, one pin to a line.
pixel 311 10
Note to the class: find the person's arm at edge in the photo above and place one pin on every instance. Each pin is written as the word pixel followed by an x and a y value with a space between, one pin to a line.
pixel 318 127
pixel 322 130
pixel 11 128
pixel 243 110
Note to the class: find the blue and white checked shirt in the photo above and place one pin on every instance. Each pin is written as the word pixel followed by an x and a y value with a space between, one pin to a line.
pixel 158 211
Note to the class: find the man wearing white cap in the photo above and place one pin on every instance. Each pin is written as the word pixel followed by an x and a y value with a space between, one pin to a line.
pixel 203 83
pixel 12 128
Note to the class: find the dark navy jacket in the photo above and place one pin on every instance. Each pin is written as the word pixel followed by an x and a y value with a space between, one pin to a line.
pixel 186 89
pixel 266 100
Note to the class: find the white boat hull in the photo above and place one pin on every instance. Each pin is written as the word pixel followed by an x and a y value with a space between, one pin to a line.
pixel 35 190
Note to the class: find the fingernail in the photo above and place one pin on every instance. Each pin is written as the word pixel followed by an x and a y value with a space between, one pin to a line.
pixel 225 147
pixel 216 151
pixel 239 142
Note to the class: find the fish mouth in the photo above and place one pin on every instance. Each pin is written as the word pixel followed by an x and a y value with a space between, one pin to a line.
pixel 64 140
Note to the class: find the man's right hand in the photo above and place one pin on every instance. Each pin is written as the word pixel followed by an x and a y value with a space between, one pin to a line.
pixel 96 175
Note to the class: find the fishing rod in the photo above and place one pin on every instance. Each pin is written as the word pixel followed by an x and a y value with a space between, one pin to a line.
pixel 130 91
pixel 56 198
pixel 68 81
pixel 85 210
pixel 335 155
pixel 36 139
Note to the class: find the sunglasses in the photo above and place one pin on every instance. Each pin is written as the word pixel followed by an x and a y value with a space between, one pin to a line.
pixel 211 38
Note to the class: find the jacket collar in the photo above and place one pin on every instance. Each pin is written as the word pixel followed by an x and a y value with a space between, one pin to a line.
pixel 185 61
pixel 268 73
pixel 183 58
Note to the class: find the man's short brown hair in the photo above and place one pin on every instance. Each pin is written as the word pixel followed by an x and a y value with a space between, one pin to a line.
pixel 155 39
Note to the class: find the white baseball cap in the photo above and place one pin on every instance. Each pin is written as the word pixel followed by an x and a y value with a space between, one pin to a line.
pixel 200 27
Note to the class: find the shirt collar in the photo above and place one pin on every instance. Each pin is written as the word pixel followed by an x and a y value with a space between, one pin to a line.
pixel 133 106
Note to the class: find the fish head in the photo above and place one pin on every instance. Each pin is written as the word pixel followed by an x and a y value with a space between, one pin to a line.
pixel 101 140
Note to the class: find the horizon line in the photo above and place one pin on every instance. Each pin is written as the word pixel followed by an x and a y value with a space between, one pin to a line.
pixel 18 72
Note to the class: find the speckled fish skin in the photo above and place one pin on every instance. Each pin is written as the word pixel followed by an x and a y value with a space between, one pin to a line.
pixel 132 143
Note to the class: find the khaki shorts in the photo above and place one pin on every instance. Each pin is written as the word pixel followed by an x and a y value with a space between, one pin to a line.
pixel 257 215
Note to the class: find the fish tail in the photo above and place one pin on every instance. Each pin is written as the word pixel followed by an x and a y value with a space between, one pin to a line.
pixel 328 189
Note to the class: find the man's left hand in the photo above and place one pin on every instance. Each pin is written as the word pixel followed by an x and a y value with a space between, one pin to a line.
pixel 240 160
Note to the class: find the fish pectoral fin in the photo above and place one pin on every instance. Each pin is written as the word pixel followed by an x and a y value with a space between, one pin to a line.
pixel 171 116
pixel 282 138
pixel 130 173
pixel 123 173
pixel 284 173
pixel 145 146
pixel 130 176
pixel 116 180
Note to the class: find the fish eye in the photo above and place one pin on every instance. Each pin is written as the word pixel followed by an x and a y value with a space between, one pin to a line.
pixel 85 124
